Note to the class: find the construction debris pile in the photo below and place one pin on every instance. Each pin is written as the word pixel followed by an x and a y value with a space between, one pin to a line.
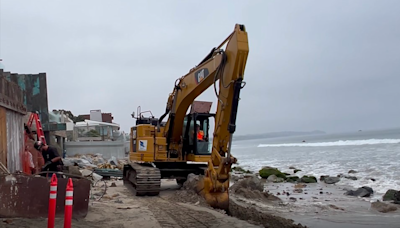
pixel 88 164
pixel 90 161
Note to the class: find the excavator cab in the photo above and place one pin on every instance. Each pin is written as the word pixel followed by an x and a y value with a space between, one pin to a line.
pixel 196 138
pixel 196 126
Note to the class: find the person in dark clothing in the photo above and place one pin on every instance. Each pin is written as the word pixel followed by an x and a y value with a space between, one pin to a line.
pixel 53 161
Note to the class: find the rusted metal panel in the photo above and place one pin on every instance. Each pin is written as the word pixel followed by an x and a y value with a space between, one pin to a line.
pixel 15 140
pixel 34 89
pixel 11 95
pixel 34 97
pixel 3 136
pixel 11 125
pixel 201 107
pixel 28 197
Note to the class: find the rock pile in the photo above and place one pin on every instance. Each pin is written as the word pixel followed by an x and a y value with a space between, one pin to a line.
pixel 94 167
pixel 91 162
pixel 275 175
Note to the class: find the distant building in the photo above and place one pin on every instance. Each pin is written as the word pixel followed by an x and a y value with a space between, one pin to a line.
pixel 60 136
pixel 97 115
pixel 97 126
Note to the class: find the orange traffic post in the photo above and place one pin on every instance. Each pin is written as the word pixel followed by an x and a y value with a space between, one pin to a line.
pixel 69 195
pixel 52 201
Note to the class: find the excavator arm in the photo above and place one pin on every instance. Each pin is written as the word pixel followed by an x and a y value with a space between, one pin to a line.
pixel 226 66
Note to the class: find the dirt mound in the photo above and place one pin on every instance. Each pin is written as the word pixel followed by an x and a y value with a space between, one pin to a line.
pixel 187 196
pixel 256 216
pixel 248 188
pixel 252 188
pixel 188 193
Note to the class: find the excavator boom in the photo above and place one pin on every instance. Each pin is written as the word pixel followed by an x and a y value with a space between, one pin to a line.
pixel 214 186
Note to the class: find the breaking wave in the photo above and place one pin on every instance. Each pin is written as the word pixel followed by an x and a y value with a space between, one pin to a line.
pixel 336 143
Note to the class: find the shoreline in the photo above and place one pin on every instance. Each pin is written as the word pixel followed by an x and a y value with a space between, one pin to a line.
pixel 377 182
pixel 324 205
pixel 333 208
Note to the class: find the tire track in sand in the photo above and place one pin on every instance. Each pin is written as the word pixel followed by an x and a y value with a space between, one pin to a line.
pixel 173 215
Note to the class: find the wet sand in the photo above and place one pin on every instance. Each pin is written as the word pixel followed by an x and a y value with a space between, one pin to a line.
pixel 323 205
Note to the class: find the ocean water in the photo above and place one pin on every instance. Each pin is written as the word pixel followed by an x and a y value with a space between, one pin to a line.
pixel 374 154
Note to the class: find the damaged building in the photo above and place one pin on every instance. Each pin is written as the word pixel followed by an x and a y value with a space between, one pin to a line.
pixel 22 94
pixel 21 194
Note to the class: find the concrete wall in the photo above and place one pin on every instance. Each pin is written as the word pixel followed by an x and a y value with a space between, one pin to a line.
pixel 117 149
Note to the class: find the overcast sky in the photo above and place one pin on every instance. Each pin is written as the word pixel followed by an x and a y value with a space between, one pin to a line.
pixel 326 65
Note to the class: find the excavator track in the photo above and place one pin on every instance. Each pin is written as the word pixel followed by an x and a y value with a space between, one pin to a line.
pixel 145 179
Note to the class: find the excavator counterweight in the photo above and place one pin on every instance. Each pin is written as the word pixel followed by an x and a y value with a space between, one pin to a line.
pixel 182 144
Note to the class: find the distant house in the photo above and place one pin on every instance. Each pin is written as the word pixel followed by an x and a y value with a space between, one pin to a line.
pixel 97 126
pixel 97 115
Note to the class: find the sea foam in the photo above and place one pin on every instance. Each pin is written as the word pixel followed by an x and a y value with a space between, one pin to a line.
pixel 336 143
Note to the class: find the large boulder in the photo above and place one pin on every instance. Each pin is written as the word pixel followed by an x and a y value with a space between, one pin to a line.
pixel 275 179
pixel 361 192
pixel 322 178
pixel 267 171
pixel 251 183
pixel 191 182
pixel 350 177
pixel 390 195
pixel 292 179
pixel 397 197
pixel 308 179
pixel 331 180
pixel 383 207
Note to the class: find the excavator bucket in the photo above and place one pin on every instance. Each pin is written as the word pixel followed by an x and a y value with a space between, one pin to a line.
pixel 215 197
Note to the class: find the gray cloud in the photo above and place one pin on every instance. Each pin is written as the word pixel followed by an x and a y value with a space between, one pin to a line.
pixel 312 65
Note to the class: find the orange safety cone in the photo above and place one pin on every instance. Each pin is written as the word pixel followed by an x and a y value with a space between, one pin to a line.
pixel 52 201
pixel 69 195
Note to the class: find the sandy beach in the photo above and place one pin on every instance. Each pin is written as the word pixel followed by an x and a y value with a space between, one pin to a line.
pixel 119 208
pixel 315 205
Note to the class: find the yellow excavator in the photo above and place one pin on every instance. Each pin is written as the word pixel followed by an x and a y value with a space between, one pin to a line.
pixel 182 144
